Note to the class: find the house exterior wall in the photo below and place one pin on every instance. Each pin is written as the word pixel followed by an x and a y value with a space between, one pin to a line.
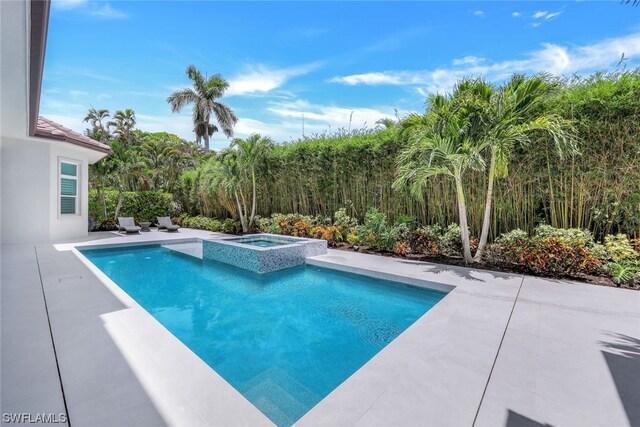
pixel 68 226
pixel 24 175
pixel 29 183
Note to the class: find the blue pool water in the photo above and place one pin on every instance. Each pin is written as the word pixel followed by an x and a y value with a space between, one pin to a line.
pixel 285 339
pixel 263 242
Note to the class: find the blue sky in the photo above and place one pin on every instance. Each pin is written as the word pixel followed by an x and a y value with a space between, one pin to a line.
pixel 328 61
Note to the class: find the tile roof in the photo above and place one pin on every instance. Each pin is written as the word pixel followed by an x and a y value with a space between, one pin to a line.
pixel 52 130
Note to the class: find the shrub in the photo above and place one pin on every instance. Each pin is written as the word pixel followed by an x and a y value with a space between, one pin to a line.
pixel 451 242
pixel 407 220
pixel 231 225
pixel 269 225
pixel 549 250
pixel 426 240
pixel 301 228
pixel 509 246
pixel 619 248
pixel 330 233
pixel 376 233
pixel 401 248
pixel 142 205
pixel 202 223
pixel 625 272
pixel 287 224
pixel 554 255
pixel 352 238
pixel 343 221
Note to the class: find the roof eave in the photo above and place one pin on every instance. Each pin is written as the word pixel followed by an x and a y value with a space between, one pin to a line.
pixel 39 22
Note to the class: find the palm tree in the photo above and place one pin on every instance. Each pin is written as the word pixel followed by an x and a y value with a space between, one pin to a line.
pixel 95 118
pixel 124 123
pixel 512 115
pixel 101 177
pixel 225 174
pixel 251 152
pixel 128 169
pixel 203 96
pixel 439 145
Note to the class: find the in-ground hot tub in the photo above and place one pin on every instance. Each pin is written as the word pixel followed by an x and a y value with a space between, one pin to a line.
pixel 263 253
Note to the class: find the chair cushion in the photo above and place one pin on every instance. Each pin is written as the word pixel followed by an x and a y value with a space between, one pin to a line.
pixel 164 221
pixel 126 222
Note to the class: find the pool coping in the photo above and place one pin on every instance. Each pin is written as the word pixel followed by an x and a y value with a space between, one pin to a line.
pixel 352 394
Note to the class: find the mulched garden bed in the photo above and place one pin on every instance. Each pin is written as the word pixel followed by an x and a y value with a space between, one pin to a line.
pixel 493 266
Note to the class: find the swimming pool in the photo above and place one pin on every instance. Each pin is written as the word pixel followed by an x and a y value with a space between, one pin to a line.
pixel 284 340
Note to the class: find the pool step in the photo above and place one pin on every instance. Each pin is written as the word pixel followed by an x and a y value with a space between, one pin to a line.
pixel 193 249
pixel 280 396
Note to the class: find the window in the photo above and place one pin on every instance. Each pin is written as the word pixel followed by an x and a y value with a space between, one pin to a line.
pixel 69 188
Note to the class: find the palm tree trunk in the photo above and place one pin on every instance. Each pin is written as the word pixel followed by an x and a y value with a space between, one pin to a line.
pixel 243 221
pixel 253 203
pixel 102 200
pixel 486 222
pixel 462 214
pixel 118 205
pixel 206 140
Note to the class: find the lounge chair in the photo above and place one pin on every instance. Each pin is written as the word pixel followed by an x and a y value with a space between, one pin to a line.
pixel 128 225
pixel 164 223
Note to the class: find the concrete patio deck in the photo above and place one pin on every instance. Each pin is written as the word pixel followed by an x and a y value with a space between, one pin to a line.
pixel 500 349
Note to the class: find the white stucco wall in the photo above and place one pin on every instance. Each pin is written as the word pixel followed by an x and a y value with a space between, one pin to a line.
pixel 24 190
pixel 29 182
pixel 13 68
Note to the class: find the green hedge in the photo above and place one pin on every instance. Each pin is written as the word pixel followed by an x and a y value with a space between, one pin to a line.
pixel 142 205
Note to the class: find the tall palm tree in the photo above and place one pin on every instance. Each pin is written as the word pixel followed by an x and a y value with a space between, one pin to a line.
pixel 95 118
pixel 124 123
pixel 251 152
pixel 203 95
pixel 513 114
pixel 439 145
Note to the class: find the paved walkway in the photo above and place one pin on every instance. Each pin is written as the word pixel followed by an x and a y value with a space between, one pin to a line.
pixel 500 349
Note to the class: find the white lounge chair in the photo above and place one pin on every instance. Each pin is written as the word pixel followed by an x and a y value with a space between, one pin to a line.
pixel 128 225
pixel 164 223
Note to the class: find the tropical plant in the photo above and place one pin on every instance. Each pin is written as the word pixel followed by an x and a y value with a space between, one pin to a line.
pixel 98 130
pixel 203 95
pixel 508 116
pixel 224 174
pixel 252 152
pixel 441 145
pixel 124 122
pixel 624 272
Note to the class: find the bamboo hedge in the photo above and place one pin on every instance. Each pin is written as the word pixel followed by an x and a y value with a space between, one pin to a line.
pixel 598 189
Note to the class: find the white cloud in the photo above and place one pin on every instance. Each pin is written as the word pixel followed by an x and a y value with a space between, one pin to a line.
pixel 260 79
pixel 552 58
pixel 107 12
pixel 467 60
pixel 479 13
pixel 330 116
pixel 89 8
pixel 78 93
pixel 551 16
pixel 67 4
pixel 547 16
pixel 369 79
pixel 536 24
pixel 516 14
